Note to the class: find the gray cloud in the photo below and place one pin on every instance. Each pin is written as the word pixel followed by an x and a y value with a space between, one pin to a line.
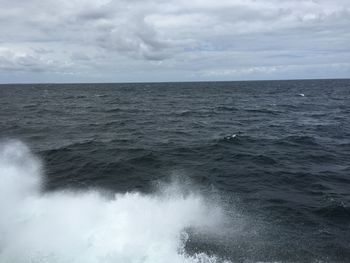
pixel 137 40
pixel 184 40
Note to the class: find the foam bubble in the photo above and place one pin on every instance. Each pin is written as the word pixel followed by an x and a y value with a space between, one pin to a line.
pixel 67 227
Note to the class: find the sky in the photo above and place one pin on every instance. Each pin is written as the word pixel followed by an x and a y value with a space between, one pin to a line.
pixel 173 40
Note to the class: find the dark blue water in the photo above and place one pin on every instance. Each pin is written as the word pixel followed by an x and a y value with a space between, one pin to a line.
pixel 276 151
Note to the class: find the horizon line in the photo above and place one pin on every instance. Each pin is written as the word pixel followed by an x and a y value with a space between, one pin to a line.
pixel 160 82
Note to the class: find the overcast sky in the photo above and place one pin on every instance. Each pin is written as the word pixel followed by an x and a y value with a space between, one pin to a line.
pixel 173 40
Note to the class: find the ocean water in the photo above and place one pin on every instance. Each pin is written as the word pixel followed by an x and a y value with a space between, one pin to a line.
pixel 175 172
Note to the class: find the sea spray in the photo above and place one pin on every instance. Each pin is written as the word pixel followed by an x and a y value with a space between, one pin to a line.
pixel 67 226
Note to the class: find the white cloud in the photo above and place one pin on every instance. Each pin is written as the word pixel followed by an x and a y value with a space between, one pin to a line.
pixel 29 60
pixel 105 37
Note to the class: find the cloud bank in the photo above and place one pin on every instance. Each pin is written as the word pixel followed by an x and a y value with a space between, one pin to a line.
pixel 157 40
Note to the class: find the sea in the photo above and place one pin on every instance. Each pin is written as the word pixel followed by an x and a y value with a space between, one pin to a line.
pixel 198 172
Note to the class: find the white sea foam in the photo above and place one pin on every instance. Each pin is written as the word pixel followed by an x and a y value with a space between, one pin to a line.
pixel 87 227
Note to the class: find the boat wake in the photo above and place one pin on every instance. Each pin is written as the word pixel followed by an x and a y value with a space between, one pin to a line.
pixel 90 226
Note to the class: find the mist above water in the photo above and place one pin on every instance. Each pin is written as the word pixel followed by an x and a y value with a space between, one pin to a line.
pixel 67 226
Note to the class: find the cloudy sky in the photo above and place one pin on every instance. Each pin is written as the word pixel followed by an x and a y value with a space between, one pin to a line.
pixel 173 40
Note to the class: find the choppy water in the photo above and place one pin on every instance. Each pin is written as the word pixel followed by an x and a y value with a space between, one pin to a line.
pixel 235 171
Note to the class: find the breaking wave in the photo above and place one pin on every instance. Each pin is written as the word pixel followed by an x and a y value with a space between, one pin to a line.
pixel 91 226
